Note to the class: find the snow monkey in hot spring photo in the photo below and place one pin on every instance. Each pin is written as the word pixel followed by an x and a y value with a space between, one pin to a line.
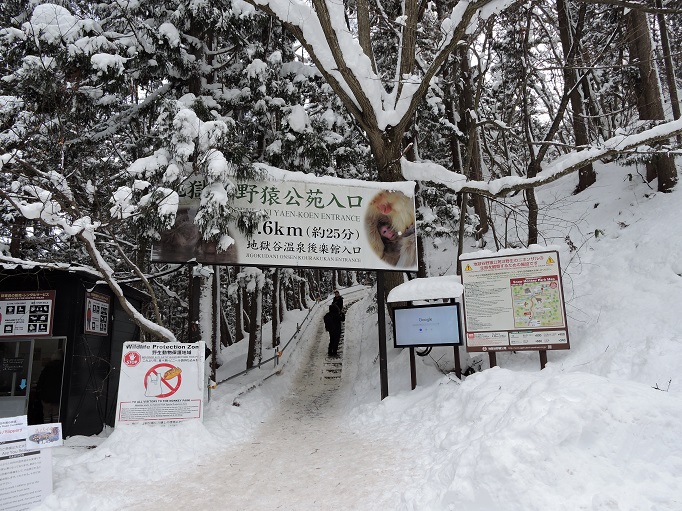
pixel 389 224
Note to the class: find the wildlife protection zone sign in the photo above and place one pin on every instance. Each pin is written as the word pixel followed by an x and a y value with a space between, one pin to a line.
pixel 514 303
pixel 160 383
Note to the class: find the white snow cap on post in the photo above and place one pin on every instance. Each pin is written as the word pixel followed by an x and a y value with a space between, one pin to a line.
pixel 431 288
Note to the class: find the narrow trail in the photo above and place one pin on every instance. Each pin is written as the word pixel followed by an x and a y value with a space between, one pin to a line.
pixel 302 458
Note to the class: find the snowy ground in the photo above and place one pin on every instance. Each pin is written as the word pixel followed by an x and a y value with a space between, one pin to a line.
pixel 597 430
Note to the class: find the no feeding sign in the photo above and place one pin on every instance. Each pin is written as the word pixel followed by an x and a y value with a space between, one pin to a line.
pixel 161 383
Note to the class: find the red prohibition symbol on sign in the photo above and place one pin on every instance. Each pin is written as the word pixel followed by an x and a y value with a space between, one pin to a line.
pixel 158 371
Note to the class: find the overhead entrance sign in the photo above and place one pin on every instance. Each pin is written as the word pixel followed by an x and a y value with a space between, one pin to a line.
pixel 514 302
pixel 305 221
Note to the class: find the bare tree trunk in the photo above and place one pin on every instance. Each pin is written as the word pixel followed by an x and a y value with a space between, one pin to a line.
pixel 473 168
pixel 532 203
pixel 648 93
pixel 570 43
pixel 302 294
pixel 225 334
pixel 275 307
pixel 18 235
pixel 669 67
pixel 282 301
pixel 255 353
pixel 239 314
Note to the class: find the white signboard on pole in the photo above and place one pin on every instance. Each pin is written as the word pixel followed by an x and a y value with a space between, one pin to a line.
pixel 305 221
pixel 25 471
pixel 161 383
pixel 514 302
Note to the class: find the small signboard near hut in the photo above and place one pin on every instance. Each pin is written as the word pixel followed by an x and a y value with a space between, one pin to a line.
pixel 514 302
pixel 26 313
pixel 96 313
pixel 161 383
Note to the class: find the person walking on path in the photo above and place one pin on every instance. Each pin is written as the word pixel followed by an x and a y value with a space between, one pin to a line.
pixel 332 324
pixel 338 301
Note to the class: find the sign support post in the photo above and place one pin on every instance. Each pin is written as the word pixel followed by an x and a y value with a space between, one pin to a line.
pixel 458 363
pixel 383 361
pixel 543 358
pixel 413 369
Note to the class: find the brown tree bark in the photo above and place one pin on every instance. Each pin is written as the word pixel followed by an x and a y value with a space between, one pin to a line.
pixel 570 43
pixel 276 283
pixel 648 94
pixel 18 235
pixel 472 168
pixel 255 354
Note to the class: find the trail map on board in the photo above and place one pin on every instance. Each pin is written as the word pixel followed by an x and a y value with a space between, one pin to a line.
pixel 537 302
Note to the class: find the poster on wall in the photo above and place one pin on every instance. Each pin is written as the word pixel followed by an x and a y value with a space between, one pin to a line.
pixel 160 383
pixel 514 302
pixel 306 221
pixel 26 313
pixel 97 307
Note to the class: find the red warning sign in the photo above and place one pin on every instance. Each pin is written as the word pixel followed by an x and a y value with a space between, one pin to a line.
pixel 131 359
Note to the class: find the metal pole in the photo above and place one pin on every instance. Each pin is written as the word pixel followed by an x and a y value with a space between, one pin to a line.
pixel 383 360
pixel 413 369
pixel 215 321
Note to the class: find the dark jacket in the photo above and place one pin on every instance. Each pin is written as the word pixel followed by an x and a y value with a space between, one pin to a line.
pixel 332 320
pixel 50 382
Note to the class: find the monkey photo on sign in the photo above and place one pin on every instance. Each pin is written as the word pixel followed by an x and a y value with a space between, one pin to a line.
pixel 184 242
pixel 389 224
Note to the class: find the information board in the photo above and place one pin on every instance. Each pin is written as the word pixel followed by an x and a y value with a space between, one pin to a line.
pixel 26 313
pixel 514 302
pixel 161 383
pixel 97 309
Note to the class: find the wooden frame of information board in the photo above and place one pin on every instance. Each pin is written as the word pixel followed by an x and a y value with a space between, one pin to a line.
pixel 514 303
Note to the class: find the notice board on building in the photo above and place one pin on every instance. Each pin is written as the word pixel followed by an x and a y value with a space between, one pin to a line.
pixel 97 309
pixel 514 302
pixel 161 383
pixel 26 313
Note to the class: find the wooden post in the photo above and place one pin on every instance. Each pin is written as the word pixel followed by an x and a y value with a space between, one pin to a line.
pixel 492 357
pixel 543 358
pixel 458 363
pixel 413 369
pixel 383 360
pixel 193 332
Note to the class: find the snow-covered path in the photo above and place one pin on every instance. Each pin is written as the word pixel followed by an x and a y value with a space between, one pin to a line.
pixel 303 456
